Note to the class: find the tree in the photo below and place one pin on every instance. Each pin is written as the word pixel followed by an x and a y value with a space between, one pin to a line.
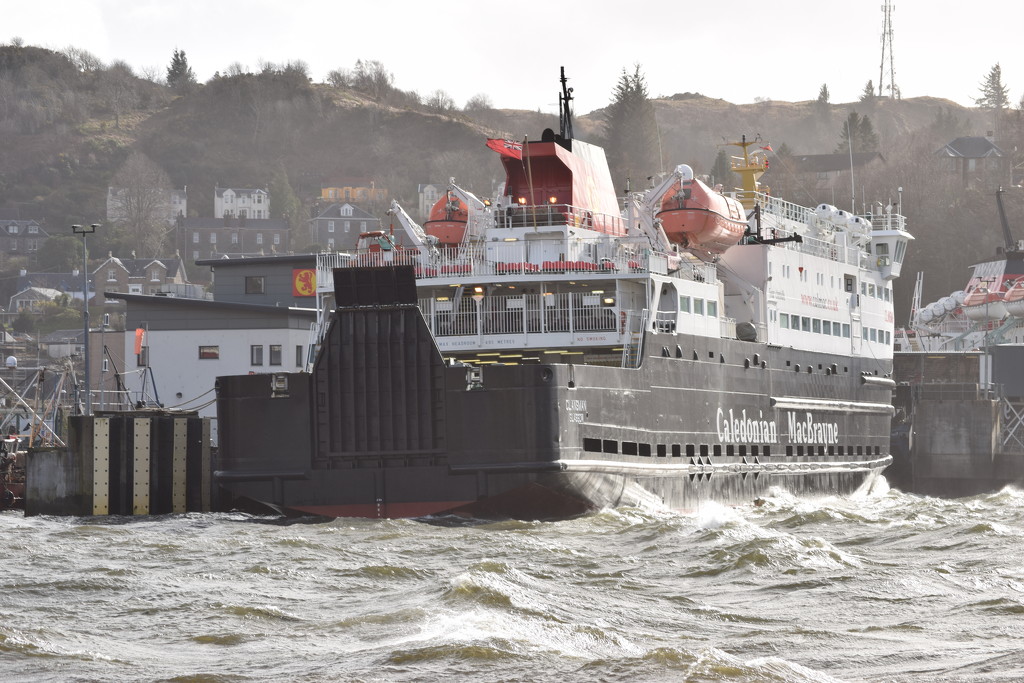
pixel 441 102
pixel 994 96
pixel 139 202
pixel 858 131
pixel 118 87
pixel 373 79
pixel 286 204
pixel 721 171
pixel 630 129
pixel 479 102
pixel 179 74
pixel 822 104
pixel 868 96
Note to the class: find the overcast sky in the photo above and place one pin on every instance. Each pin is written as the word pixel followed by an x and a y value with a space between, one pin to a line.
pixel 740 50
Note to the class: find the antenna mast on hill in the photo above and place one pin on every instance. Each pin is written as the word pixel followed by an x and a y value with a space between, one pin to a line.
pixel 887 9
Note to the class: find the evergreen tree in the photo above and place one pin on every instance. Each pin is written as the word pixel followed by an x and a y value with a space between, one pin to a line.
pixel 994 95
pixel 287 204
pixel 721 171
pixel 179 74
pixel 822 104
pixel 631 131
pixel 868 96
pixel 858 132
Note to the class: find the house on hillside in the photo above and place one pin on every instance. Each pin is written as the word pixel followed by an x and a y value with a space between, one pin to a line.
pixel 168 205
pixel 202 238
pixel 31 299
pixel 165 276
pixel 364 191
pixel 21 237
pixel 975 159
pixel 237 202
pixel 338 226
pixel 62 343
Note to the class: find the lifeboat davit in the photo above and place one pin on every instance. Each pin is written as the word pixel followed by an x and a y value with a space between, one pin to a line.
pixel 1013 300
pixel 447 220
pixel 695 216
pixel 982 304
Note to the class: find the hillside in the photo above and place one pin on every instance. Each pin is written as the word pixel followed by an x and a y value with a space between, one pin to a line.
pixel 67 126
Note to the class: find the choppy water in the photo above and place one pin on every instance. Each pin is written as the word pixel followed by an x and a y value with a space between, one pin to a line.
pixel 886 587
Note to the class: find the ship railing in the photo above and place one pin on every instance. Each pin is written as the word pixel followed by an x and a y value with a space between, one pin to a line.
pixel 778 207
pixel 532 257
pixel 545 215
pixel 520 314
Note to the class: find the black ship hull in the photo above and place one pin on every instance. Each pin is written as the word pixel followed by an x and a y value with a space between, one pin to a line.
pixel 382 427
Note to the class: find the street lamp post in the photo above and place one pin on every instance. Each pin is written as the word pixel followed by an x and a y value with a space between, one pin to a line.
pixel 84 231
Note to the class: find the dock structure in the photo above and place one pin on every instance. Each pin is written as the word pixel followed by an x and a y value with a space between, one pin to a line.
pixel 125 463
pixel 957 432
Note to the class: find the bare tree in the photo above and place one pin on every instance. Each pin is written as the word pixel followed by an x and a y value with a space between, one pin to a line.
pixel 479 102
pixel 119 89
pixel 139 203
pixel 440 101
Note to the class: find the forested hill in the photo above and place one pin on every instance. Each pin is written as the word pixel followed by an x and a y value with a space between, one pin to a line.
pixel 68 123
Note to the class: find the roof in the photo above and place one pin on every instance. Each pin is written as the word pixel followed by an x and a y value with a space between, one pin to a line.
pixel 62 336
pixel 211 304
pixel 824 163
pixel 139 267
pixel 240 191
pixel 334 212
pixel 975 147
pixel 350 181
pixel 306 260
pixel 40 292
pixel 64 282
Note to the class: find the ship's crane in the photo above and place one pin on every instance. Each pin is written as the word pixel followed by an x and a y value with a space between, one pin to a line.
pixel 423 242
pixel 642 207
pixel 1011 245
pixel 476 207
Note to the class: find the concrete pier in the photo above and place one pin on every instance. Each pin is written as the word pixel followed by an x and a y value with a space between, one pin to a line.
pixel 134 463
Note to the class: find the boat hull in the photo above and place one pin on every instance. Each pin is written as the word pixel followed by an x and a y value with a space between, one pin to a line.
pixel 384 428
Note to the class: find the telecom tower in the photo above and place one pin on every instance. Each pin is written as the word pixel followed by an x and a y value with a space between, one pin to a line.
pixel 894 92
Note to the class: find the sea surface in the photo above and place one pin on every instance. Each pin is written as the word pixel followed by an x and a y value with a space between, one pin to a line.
pixel 875 587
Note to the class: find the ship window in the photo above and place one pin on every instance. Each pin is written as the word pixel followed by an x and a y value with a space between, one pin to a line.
pixel 729 450
pixel 840 450
pixel 662 450
pixel 753 451
pixel 888 337
pixel 629 448
pixel 713 309
pixel 743 451
pixel 703 450
pixel 799 451
pixel 901 248
pixel 872 334
pixel 209 352
pixel 256 354
pixel 767 451
pixel 860 450
pixel 698 306
pixel 645 449
pixel 684 304
pixel 805 324
pixel 611 446
pixel 846 330
pixel 831 450
pixel 789 451
pixel 592 445
pixel 677 450
pixel 826 327
pixel 717 451
pixel 816 326
pixel 784 320
pixel 848 283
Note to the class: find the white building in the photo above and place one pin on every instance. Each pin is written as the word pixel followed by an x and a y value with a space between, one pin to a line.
pixel 240 203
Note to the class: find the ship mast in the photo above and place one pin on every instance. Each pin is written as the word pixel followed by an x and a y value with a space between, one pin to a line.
pixel 564 110
pixel 750 168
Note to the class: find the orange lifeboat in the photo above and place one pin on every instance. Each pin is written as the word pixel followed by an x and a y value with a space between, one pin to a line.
pixel 1014 299
pixel 447 220
pixel 697 217
pixel 982 304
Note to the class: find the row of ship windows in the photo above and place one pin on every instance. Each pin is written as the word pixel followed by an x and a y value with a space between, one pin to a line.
pixel 817 326
pixel 212 352
pixel 698 306
pixel 644 450
pixel 866 288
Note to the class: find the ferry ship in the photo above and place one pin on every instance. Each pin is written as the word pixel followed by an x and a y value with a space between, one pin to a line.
pixel 554 350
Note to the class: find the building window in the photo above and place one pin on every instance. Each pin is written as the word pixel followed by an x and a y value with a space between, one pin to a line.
pixel 259 238
pixel 256 354
pixel 32 229
pixel 132 289
pixel 277 238
pixel 195 255
pixel 213 238
pixel 275 354
pixel 234 238
pixel 347 226
pixel 142 359
pixel 195 238
pixel 255 284
pixel 298 355
pixel 209 352
pixel 362 226
pixel 111 276
pixel 330 243
pixel 346 210
pixel 106 365
pixel 330 226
